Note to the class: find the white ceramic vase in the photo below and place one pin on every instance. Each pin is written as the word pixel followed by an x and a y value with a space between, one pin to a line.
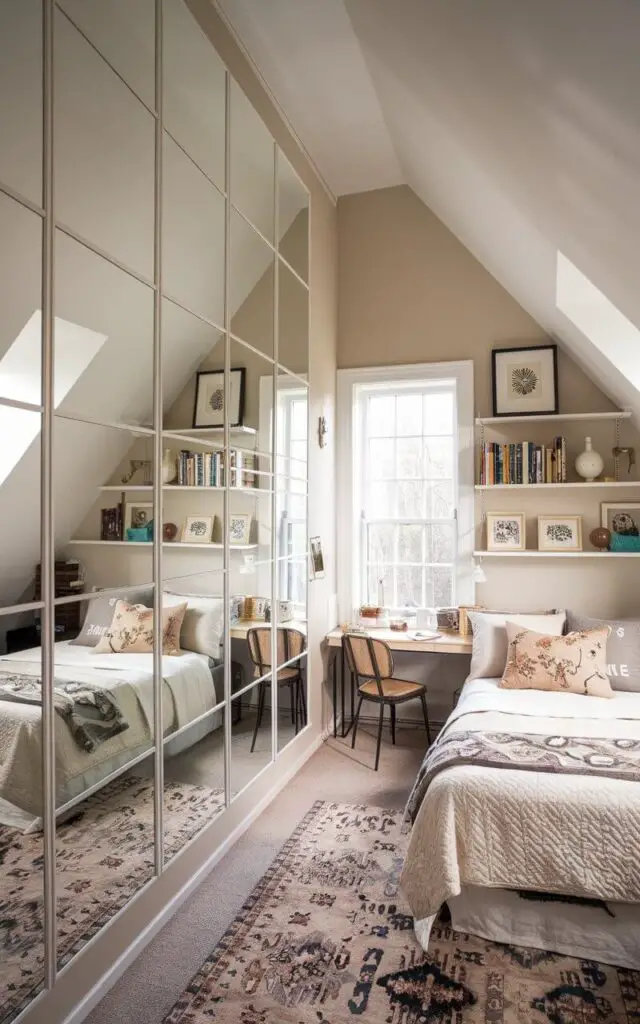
pixel 589 463
pixel 168 467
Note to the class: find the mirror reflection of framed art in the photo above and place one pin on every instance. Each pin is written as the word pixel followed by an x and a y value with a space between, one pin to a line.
pixel 208 410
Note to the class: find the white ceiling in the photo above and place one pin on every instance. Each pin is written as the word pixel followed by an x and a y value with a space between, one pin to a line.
pixel 518 123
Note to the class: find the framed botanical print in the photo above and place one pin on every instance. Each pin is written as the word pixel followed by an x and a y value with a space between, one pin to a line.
pixel 621 517
pixel 525 380
pixel 506 531
pixel 208 410
pixel 239 528
pixel 197 530
pixel 560 533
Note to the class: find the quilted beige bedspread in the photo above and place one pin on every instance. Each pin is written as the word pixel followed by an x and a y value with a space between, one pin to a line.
pixel 514 829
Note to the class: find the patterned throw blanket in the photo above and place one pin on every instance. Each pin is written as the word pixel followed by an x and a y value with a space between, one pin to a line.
pixel 566 755
pixel 91 713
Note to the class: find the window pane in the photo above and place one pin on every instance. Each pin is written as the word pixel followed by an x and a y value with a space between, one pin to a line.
pixel 439 543
pixel 440 499
pixel 442 583
pixel 299 420
pixel 438 457
pixel 380 544
pixel 410 543
pixel 379 584
pixel 409 581
pixel 409 413
pixel 409 457
pixel 438 413
pixel 381 418
pixel 380 503
pixel 410 499
pixel 381 459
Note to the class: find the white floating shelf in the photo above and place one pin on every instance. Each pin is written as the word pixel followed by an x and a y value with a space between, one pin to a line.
pixel 623 414
pixel 559 487
pixel 556 554
pixel 181 487
pixel 210 430
pixel 166 544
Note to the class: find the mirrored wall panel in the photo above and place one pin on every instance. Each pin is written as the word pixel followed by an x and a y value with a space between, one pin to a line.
pixel 153 474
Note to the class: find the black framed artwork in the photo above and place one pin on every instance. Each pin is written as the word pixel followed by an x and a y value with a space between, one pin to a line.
pixel 208 409
pixel 525 380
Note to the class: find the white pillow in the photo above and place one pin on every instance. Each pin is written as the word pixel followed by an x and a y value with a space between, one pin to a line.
pixel 202 624
pixel 489 651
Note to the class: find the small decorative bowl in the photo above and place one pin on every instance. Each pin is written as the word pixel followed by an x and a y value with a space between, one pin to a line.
pixel 398 625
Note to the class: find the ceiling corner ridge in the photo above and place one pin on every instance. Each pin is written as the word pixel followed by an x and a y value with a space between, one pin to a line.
pixel 278 107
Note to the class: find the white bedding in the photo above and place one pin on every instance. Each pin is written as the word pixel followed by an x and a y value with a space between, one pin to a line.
pixel 188 692
pixel 513 829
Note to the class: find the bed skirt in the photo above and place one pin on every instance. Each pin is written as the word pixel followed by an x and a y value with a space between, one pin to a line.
pixel 606 932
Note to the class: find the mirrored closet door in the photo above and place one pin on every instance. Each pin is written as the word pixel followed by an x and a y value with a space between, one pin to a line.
pixel 153 476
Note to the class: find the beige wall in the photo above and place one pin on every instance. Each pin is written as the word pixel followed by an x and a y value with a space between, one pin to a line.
pixel 410 292
pixel 99 956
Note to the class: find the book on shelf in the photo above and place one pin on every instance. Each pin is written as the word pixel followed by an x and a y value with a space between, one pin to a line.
pixel 111 523
pixel 523 463
pixel 207 469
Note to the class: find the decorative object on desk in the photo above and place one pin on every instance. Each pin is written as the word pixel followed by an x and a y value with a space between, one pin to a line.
pixel 208 410
pixel 135 465
pixel 621 517
pixel 111 526
pixel 559 533
pixel 239 528
pixel 600 538
pixel 322 431
pixel 448 620
pixel 169 471
pixel 506 531
pixel 255 609
pixel 137 514
pixel 285 611
pixel 398 625
pixel 197 530
pixel 316 558
pixel 589 463
pixel 629 452
pixel 465 622
pixel 237 610
pixel 624 542
pixel 140 534
pixel 169 532
pixel 525 380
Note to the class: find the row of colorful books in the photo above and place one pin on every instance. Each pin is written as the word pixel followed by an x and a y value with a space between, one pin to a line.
pixel 524 463
pixel 206 469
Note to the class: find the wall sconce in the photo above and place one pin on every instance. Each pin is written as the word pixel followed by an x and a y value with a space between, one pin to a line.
pixel 322 431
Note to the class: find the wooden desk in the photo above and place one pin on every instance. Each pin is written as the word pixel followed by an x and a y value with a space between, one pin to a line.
pixel 240 628
pixel 443 643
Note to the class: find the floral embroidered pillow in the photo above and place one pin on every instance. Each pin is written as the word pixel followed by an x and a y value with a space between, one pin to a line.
pixel 575 663
pixel 131 630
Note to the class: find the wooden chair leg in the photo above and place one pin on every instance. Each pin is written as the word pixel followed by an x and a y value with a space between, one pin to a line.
pixel 261 696
pixel 426 717
pixel 355 723
pixel 392 708
pixel 380 724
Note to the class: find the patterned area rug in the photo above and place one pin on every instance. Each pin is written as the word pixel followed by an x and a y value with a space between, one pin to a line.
pixel 104 855
pixel 325 938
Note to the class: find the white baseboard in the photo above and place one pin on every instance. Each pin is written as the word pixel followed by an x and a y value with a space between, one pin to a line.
pixel 117 969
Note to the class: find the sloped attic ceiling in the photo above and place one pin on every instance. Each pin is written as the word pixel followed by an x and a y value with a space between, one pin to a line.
pixel 518 124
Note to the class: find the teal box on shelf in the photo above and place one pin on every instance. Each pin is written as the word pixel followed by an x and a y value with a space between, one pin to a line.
pixel 140 533
pixel 624 542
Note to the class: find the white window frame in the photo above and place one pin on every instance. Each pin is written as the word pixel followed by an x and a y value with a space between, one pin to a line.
pixel 348 505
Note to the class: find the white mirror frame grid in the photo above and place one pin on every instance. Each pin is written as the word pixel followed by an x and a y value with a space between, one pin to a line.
pixel 156 435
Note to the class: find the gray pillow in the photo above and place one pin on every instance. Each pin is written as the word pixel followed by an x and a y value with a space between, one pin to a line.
pixel 100 613
pixel 623 648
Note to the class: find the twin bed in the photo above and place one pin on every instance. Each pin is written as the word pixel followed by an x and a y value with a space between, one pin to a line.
pixel 191 687
pixel 526 799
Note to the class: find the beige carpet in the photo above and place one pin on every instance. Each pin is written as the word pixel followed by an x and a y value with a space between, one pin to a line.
pixel 326 937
